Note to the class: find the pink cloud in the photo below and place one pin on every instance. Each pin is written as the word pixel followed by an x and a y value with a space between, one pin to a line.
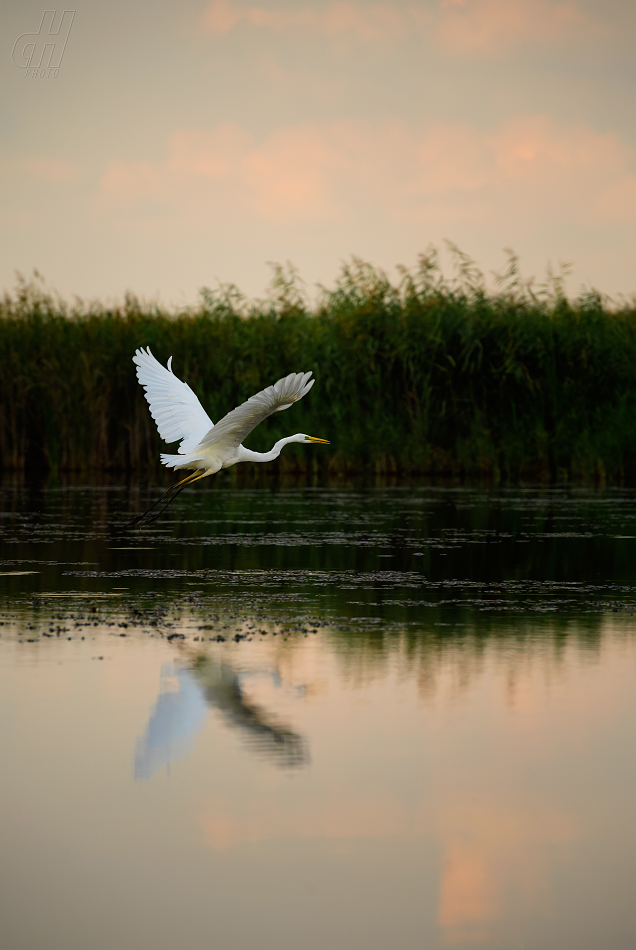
pixel 459 27
pixel 377 21
pixel 535 146
pixel 493 27
pixel 481 845
pixel 390 172
pixel 221 16
pixel 480 842
pixel 291 173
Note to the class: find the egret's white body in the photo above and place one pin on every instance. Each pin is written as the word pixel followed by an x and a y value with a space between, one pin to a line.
pixel 206 447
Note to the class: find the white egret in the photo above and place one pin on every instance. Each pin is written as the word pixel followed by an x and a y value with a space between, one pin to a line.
pixel 206 447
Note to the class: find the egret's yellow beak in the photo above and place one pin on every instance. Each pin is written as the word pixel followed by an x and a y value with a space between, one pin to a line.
pixel 312 439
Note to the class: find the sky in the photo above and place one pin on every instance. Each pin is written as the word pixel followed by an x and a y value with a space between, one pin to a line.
pixel 174 146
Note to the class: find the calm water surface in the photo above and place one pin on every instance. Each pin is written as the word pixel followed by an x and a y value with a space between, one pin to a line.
pixel 307 718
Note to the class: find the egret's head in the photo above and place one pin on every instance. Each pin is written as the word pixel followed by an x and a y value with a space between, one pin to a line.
pixel 311 438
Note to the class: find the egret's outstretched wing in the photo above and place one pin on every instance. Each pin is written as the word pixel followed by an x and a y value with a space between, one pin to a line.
pixel 174 407
pixel 237 424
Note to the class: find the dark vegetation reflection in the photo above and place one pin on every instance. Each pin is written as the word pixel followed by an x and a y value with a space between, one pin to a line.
pixel 375 557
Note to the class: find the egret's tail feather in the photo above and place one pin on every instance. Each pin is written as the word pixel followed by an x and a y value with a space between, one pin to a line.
pixel 180 461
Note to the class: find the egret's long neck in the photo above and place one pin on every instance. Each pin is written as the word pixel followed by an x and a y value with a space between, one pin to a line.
pixel 246 455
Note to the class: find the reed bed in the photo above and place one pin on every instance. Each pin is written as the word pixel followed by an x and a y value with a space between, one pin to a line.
pixel 429 375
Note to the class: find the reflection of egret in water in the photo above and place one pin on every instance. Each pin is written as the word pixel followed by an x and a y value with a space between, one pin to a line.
pixel 184 697
pixel 179 713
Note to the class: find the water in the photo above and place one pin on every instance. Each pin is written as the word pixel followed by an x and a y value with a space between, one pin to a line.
pixel 399 717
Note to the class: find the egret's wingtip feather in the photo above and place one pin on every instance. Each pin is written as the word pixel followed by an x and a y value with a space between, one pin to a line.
pixel 175 408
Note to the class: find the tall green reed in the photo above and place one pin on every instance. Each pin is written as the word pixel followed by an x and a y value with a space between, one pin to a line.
pixel 430 374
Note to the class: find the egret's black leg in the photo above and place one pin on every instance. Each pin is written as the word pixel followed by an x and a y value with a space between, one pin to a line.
pixel 180 485
pixel 193 478
pixel 154 517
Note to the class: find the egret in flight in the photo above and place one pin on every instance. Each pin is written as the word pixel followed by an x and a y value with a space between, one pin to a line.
pixel 206 447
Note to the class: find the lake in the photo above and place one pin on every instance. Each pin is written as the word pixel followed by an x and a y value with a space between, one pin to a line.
pixel 349 717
